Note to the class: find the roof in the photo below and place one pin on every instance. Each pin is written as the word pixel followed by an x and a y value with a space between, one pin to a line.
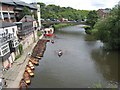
pixel 107 10
pixel 6 24
pixel 28 18
pixel 9 2
pixel 32 6
pixel 17 2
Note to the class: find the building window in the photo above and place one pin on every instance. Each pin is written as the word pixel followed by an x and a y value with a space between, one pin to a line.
pixel 13 29
pixel 12 15
pixel 4 47
pixel 5 51
pixel 6 31
pixel 5 15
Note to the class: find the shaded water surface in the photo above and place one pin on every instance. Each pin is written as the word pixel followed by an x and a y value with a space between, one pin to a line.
pixel 82 64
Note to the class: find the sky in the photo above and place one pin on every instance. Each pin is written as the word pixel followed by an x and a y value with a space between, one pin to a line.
pixel 80 4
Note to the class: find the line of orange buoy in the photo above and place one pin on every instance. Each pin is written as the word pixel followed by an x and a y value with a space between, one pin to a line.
pixel 37 54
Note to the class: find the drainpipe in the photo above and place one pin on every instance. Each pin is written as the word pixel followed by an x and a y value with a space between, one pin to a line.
pixel 2 64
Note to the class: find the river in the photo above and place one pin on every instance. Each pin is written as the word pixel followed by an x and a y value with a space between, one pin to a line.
pixel 83 63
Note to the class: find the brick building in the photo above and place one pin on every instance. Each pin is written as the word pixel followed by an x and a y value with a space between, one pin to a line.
pixel 102 13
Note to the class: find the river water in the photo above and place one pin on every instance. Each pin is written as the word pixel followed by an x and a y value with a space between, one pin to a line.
pixel 82 65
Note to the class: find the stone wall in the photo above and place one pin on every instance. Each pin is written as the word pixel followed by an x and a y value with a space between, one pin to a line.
pixel 28 40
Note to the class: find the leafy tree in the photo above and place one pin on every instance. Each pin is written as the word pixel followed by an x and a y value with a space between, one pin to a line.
pixel 25 11
pixel 92 18
pixel 108 29
pixel 42 5
pixel 20 49
pixel 55 12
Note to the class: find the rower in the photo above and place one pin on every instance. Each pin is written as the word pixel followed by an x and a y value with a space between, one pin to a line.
pixel 52 41
pixel 60 53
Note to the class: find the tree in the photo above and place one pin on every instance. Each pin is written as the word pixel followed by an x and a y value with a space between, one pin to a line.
pixel 55 12
pixel 92 18
pixel 108 29
pixel 25 11
pixel 42 5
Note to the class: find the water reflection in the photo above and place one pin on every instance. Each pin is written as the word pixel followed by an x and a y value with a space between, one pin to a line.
pixel 106 63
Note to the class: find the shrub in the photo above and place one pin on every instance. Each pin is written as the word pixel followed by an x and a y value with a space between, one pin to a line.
pixel 20 49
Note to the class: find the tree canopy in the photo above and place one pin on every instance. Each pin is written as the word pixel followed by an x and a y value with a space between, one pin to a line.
pixel 108 29
pixel 92 18
pixel 25 11
pixel 56 12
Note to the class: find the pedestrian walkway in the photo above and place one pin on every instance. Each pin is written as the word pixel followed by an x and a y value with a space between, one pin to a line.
pixel 15 73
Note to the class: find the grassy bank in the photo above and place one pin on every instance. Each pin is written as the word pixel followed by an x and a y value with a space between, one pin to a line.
pixel 61 25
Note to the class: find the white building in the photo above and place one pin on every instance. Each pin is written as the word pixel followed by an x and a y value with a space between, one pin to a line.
pixel 8 43
pixel 38 13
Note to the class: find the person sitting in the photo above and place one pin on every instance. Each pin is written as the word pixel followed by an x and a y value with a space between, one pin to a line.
pixel 52 41
pixel 60 53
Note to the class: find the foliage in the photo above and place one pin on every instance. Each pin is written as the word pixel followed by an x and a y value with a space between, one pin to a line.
pixel 61 25
pixel 35 15
pixel 108 29
pixel 86 27
pixel 97 85
pixel 89 37
pixel 88 31
pixel 92 18
pixel 112 86
pixel 57 12
pixel 39 33
pixel 18 56
pixel 25 11
pixel 20 49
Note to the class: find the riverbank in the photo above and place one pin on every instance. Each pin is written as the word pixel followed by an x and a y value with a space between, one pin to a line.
pixel 14 75
pixel 61 25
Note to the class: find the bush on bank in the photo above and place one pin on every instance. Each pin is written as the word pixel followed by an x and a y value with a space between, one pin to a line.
pixel 61 25
pixel 20 49
pixel 39 33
